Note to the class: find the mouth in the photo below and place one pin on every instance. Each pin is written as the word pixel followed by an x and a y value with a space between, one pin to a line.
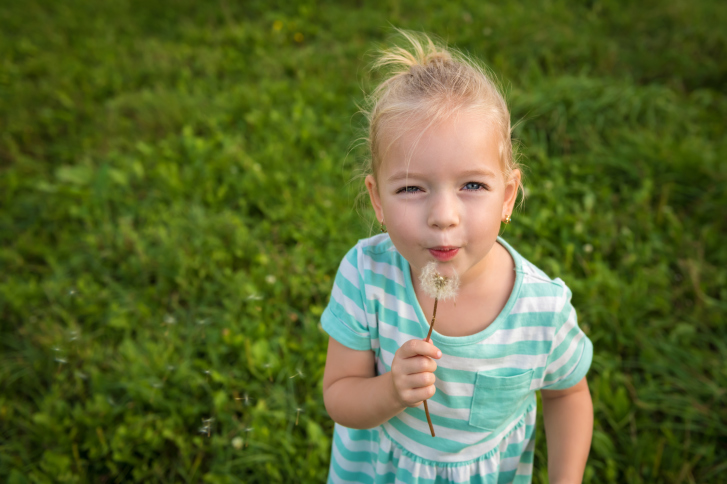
pixel 444 253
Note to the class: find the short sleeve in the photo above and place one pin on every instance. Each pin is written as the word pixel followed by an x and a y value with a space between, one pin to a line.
pixel 571 352
pixel 344 319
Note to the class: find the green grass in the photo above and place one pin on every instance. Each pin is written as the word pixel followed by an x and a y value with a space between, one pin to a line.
pixel 175 197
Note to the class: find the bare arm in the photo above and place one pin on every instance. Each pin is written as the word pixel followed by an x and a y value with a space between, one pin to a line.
pixel 356 398
pixel 568 416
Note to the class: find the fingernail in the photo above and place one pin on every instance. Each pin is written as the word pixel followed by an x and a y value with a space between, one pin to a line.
pixel 439 354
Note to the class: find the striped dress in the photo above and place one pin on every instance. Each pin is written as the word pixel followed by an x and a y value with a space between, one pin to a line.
pixel 484 408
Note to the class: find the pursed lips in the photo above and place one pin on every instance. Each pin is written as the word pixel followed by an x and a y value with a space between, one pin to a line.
pixel 444 253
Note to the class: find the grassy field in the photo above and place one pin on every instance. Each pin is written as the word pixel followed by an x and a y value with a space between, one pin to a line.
pixel 176 195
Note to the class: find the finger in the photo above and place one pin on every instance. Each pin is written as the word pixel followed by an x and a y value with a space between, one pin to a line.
pixel 416 347
pixel 416 396
pixel 421 380
pixel 417 364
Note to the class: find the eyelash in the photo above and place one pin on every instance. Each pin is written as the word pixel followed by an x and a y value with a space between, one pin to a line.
pixel 481 185
pixel 413 189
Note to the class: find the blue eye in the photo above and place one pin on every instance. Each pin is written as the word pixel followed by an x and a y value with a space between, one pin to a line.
pixel 475 186
pixel 408 189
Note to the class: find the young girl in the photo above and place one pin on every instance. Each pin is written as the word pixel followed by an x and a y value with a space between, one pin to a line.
pixel 442 181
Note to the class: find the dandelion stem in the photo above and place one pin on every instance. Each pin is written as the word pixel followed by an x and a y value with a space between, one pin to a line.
pixel 431 327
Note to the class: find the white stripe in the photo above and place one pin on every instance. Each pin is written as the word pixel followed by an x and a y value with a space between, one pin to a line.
pixel 354 445
pixel 387 356
pixel 352 466
pixel 389 301
pixel 560 362
pixel 387 270
pixel 461 436
pixel 524 469
pixel 470 452
pixel 524 362
pixel 351 274
pixel 417 469
pixel 436 408
pixel 529 278
pixel 560 336
pixel 351 308
pixel 375 240
pixel 525 333
pixel 509 463
pixel 454 389
pixel 532 270
pixel 392 332
pixel 336 479
pixel 535 304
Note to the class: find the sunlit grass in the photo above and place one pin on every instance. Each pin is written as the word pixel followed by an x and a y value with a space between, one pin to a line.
pixel 175 196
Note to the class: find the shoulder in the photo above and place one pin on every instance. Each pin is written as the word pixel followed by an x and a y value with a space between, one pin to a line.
pixel 538 292
pixel 375 255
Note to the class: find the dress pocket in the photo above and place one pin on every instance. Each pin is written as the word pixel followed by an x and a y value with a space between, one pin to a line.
pixel 498 397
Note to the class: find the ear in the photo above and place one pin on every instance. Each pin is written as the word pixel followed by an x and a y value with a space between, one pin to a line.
pixel 511 188
pixel 373 190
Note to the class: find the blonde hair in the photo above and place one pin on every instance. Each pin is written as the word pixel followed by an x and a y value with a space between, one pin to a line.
pixel 428 83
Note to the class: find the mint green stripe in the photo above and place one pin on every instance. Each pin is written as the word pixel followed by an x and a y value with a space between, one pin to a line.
pixel 541 289
pixel 580 371
pixel 438 443
pixel 456 376
pixel 361 477
pixel 382 256
pixel 450 401
pixel 347 288
pixel 335 328
pixel 506 477
pixel 569 366
pixel 362 434
pixel 564 345
pixel 355 456
pixel 522 479
pixel 520 320
pixel 375 279
pixel 516 448
pixel 404 325
pixel 484 351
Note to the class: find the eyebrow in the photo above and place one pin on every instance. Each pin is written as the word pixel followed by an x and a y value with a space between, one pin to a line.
pixel 404 175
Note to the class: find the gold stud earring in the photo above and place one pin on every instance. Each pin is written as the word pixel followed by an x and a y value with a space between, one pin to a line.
pixel 383 227
pixel 507 220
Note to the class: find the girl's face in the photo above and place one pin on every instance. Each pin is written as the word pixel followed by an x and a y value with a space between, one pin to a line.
pixel 443 198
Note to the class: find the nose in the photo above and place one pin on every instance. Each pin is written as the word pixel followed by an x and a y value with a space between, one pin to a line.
pixel 444 211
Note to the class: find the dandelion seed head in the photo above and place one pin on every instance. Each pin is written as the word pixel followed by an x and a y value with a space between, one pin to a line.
pixel 169 319
pixel 270 279
pixel 436 285
pixel 588 248
pixel 237 443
